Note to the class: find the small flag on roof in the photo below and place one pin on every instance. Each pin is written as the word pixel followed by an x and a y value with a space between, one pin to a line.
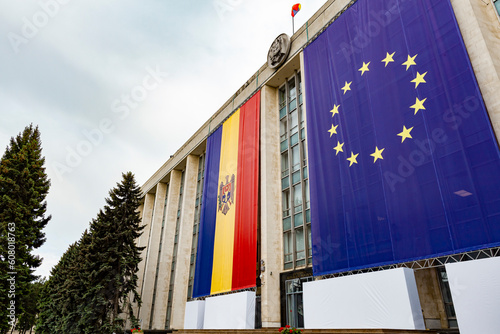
pixel 295 9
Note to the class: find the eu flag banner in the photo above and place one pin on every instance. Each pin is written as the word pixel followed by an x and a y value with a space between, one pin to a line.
pixel 403 161
pixel 227 242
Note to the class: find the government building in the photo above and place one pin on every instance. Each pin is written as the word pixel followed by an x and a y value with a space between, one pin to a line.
pixel 352 182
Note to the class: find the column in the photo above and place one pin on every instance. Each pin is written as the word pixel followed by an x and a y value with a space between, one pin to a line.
pixel 162 286
pixel 480 29
pixel 147 216
pixel 271 215
pixel 152 255
pixel 125 316
pixel 185 240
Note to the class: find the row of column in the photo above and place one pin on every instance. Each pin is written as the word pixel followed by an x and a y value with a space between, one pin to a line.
pixel 155 269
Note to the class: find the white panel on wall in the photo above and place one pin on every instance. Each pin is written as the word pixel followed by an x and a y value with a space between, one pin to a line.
pixel 475 289
pixel 385 299
pixel 195 314
pixel 234 311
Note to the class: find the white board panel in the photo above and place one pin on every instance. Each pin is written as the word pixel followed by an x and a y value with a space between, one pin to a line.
pixel 385 299
pixel 475 290
pixel 195 314
pixel 234 311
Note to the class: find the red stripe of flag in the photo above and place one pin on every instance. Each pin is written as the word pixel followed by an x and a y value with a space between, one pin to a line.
pixel 245 232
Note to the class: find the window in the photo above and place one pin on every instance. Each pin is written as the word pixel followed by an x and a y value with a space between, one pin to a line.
pixel 294 176
pixel 446 294
pixel 497 5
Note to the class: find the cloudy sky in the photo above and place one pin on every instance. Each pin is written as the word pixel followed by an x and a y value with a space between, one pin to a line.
pixel 120 85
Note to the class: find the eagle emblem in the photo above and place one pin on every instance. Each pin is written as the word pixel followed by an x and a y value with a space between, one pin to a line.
pixel 226 195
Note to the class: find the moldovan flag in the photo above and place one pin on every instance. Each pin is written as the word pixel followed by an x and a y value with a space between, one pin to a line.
pixel 295 9
pixel 227 244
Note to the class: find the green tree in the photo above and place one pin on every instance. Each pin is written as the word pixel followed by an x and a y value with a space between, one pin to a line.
pixel 113 256
pixel 90 286
pixel 24 186
pixel 55 298
pixel 28 318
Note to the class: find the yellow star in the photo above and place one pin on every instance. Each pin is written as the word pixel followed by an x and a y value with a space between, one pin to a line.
pixel 377 154
pixel 419 79
pixel 333 130
pixel 352 159
pixel 364 68
pixel 410 61
pixel 419 105
pixel 335 109
pixel 388 59
pixel 338 148
pixel 347 87
pixel 405 134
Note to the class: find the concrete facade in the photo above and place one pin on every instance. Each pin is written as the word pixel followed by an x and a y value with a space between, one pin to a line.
pixel 480 27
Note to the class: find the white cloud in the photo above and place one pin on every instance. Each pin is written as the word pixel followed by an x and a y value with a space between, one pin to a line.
pixel 67 75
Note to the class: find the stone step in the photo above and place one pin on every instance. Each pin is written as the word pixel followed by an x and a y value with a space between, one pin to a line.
pixel 306 331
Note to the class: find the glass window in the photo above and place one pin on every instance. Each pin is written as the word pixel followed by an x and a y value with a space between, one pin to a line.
pixel 306 188
pixel 284 145
pixel 292 94
pixel 295 187
pixel 284 164
pixel 282 97
pixel 298 220
pixel 283 129
pixel 297 197
pixel 286 203
pixel 287 247
pixel 309 242
pixel 285 183
pixel 299 244
pixel 295 158
pixel 294 122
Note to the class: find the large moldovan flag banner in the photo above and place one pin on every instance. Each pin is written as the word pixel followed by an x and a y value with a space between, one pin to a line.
pixel 227 244
pixel 403 161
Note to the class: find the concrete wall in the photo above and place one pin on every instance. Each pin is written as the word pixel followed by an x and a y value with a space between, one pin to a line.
pixel 480 27
pixel 430 298
pixel 164 266
pixel 181 279
pixel 271 217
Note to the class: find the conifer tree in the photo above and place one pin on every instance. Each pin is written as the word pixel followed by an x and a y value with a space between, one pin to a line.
pixel 89 286
pixel 54 302
pixel 114 256
pixel 24 186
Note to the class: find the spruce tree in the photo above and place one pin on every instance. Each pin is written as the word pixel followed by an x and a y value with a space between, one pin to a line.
pixel 54 302
pixel 24 186
pixel 113 256
pixel 89 287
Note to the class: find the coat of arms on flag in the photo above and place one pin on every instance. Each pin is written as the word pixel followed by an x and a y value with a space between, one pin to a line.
pixel 226 194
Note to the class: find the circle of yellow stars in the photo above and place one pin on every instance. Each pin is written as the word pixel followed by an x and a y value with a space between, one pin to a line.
pixel 406 133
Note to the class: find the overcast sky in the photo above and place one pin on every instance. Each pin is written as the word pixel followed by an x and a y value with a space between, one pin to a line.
pixel 121 85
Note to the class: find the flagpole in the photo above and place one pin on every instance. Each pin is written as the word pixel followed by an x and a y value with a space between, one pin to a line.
pixel 293 27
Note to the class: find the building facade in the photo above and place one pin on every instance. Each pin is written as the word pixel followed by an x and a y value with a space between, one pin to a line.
pixel 172 201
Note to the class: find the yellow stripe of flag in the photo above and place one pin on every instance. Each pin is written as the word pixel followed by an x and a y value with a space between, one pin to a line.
pixel 222 271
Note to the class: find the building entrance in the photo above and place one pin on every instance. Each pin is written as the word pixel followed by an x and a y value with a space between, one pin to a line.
pixel 294 301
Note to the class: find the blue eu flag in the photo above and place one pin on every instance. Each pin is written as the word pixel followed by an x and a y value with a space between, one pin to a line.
pixel 403 161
